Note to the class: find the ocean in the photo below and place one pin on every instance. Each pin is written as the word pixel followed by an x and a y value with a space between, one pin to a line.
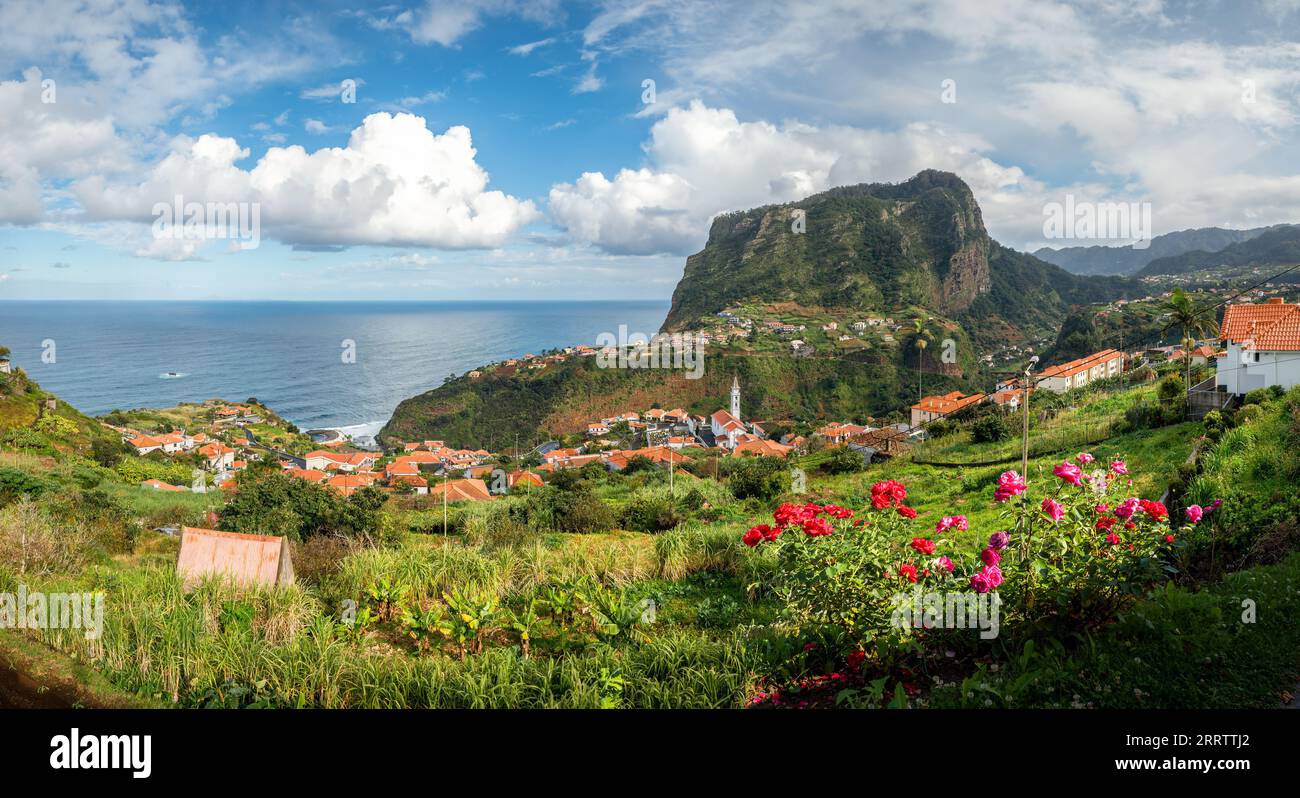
pixel 108 355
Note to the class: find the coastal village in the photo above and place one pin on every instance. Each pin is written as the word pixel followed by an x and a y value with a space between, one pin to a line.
pixel 221 442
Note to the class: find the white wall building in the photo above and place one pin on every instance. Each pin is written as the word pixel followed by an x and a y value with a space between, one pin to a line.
pixel 1078 373
pixel 1263 347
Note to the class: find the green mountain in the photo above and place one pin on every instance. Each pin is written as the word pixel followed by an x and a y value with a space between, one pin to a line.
pixel 916 248
pixel 1127 260
pixel 1276 246
pixel 883 248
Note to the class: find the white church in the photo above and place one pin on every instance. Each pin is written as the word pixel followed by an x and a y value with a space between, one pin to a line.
pixel 728 429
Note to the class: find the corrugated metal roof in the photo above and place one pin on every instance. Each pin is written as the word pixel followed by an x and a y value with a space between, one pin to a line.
pixel 243 559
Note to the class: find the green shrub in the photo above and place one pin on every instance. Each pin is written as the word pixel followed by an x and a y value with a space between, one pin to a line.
pixel 762 478
pixel 843 460
pixel 649 514
pixel 990 429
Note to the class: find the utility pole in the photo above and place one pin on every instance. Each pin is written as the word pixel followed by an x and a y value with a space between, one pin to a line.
pixel 445 487
pixel 1024 444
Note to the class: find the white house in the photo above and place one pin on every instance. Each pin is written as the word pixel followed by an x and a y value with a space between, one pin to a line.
pixel 1078 373
pixel 1263 347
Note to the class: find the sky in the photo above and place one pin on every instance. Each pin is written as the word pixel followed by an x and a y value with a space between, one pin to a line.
pixel 508 149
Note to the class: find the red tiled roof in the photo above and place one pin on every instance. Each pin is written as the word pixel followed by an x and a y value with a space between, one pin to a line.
pixel 760 446
pixel 948 403
pixel 462 490
pixel 1274 326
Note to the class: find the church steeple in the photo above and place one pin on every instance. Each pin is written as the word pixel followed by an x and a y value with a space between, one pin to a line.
pixel 735 396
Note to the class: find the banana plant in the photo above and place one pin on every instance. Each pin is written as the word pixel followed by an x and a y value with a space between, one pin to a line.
pixel 524 622
pixel 474 616
pixel 387 596
pixel 426 626
pixel 355 630
pixel 618 616
pixel 562 604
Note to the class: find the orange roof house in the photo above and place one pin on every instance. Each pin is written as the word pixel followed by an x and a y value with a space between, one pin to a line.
pixel 145 443
pixel 838 432
pixel 1273 326
pixel 244 560
pixel 933 407
pixel 523 478
pixel 348 484
pixel 1078 373
pixel 459 490
pixel 762 448
pixel 307 474
pixel 1261 342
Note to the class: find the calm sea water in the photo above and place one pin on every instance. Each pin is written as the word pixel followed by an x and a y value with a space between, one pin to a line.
pixel 114 355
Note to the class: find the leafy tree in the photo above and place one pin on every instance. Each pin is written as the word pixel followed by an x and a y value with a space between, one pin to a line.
pixel 107 452
pixel 15 483
pixel 1184 313
pixel 271 503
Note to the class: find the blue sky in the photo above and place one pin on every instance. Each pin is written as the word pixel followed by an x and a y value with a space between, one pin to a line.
pixel 502 148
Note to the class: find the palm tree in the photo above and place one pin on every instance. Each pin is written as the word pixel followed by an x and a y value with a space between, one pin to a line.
pixel 921 340
pixel 1184 313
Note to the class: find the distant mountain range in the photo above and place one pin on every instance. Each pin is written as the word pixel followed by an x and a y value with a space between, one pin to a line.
pixel 1200 243
pixel 1274 246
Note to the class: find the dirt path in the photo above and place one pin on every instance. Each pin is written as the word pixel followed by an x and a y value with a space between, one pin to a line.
pixel 18 690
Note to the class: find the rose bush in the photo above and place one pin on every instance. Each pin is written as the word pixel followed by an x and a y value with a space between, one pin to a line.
pixel 1072 555
pixel 841 568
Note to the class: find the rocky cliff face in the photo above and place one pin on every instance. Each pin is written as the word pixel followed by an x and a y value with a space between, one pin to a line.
pixel 873 247
pixel 968 277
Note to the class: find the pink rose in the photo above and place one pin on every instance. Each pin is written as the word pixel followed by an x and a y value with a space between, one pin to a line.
pixel 1194 513
pixel 952 522
pixel 1010 484
pixel 1118 467
pixel 1054 508
pixel 1069 472
pixel 1084 458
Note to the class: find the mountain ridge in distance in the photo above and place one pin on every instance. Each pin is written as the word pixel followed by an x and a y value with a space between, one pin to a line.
pixel 1100 259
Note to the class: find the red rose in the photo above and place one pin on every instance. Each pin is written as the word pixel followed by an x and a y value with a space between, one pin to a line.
pixel 817 527
pixel 923 545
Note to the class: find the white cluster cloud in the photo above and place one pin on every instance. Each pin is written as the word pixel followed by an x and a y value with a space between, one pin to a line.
pixel 395 183
pixel 42 139
pixel 706 161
